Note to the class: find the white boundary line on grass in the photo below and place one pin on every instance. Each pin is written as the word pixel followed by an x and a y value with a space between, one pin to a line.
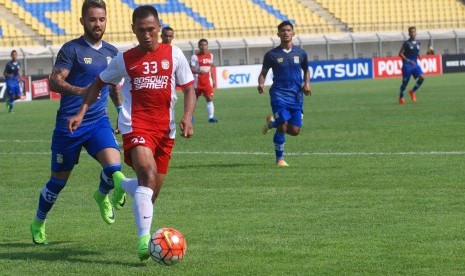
pixel 287 153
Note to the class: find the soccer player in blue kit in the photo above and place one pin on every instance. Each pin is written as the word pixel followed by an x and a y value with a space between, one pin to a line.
pixel 12 76
pixel 409 54
pixel 286 93
pixel 78 64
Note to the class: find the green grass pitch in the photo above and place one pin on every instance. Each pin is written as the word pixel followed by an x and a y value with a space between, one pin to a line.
pixel 373 188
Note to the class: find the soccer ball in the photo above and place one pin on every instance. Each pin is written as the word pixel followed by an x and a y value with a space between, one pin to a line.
pixel 167 246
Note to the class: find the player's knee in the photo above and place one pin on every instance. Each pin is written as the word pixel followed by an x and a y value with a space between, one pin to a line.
pixel 293 131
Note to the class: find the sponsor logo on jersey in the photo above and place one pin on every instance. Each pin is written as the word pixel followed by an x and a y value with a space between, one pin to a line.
pixel 280 60
pixel 296 59
pixel 88 60
pixel 150 82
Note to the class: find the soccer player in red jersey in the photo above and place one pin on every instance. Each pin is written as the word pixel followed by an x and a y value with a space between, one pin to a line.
pixel 151 71
pixel 201 65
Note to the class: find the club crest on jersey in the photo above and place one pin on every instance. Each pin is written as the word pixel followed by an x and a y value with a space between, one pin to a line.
pixel 280 60
pixel 165 64
pixel 296 59
pixel 88 60
pixel 108 60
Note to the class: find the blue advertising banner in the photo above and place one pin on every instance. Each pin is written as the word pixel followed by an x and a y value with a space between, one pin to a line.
pixel 344 69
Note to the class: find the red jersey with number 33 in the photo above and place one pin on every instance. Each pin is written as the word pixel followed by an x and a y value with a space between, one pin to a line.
pixel 149 88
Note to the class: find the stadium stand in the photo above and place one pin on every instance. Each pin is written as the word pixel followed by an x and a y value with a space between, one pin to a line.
pixel 370 16
pixel 56 22
pixel 49 23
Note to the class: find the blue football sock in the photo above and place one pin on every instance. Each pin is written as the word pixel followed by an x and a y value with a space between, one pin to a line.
pixel 11 101
pixel 106 179
pixel 279 139
pixel 48 196
pixel 402 88
pixel 418 84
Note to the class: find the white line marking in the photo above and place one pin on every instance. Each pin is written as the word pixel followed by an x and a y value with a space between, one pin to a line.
pixel 287 153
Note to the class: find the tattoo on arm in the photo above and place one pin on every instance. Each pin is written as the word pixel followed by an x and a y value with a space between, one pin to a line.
pixel 59 84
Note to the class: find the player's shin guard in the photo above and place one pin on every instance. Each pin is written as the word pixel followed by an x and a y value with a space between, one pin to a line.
pixel 48 197
pixel 279 139
pixel 106 177
pixel 143 210
pixel 418 84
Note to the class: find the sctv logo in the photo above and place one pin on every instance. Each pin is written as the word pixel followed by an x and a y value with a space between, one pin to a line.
pixel 239 78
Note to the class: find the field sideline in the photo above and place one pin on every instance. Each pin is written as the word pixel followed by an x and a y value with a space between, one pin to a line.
pixel 373 188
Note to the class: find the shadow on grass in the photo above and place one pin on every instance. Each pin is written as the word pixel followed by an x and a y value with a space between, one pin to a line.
pixel 22 251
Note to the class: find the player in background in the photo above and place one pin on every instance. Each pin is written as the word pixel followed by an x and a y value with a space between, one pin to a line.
pixel 78 63
pixel 147 122
pixel 167 35
pixel 286 93
pixel 201 66
pixel 12 76
pixel 409 54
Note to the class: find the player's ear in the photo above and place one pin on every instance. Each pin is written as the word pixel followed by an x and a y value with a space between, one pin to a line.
pixel 132 27
pixel 81 20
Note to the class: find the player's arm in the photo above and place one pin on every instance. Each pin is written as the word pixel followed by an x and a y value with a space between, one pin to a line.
pixel 115 95
pixel 403 57
pixel 261 80
pixel 306 87
pixel 19 73
pixel 190 101
pixel 5 72
pixel 91 94
pixel 117 99
pixel 59 84
pixel 195 68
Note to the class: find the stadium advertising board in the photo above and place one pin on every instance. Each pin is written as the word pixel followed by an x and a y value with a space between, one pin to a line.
pixel 240 76
pixel 24 86
pixel 453 63
pixel 40 88
pixel 390 67
pixel 349 69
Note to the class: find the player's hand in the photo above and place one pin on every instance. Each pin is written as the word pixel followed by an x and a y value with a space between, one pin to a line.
pixel 187 130
pixel 261 88
pixel 74 122
pixel 307 89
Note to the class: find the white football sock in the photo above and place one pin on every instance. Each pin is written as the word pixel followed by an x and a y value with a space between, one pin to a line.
pixel 210 110
pixel 130 185
pixel 143 210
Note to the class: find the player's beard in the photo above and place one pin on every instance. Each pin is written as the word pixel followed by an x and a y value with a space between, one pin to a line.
pixel 94 36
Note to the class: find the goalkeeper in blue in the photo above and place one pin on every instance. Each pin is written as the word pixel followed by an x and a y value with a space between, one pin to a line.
pixel 78 64
pixel 409 53
pixel 286 93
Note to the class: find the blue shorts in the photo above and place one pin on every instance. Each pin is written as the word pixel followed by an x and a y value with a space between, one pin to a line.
pixel 283 114
pixel 414 70
pixel 14 91
pixel 66 146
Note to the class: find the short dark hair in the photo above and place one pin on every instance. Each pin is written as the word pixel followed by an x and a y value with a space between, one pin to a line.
pixel 167 29
pixel 285 23
pixel 144 12
pixel 92 4
pixel 203 40
pixel 12 52
pixel 412 28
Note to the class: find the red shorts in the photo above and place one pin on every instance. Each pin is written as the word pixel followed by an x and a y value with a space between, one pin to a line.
pixel 205 91
pixel 158 141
